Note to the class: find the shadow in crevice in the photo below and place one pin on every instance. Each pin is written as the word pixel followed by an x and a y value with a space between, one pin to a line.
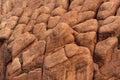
pixel 118 42
pixel 5 58
pixel 69 3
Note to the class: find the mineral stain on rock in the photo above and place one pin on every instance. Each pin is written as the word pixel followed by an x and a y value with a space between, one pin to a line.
pixel 59 40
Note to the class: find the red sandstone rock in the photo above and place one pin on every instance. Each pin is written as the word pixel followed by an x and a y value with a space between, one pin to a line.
pixel 24 20
pixel 22 76
pixel 86 39
pixel 59 11
pixel 104 50
pixel 111 28
pixel 13 68
pixel 5 33
pixel 17 12
pixel 43 18
pixel 118 12
pixel 59 39
pixel 34 56
pixel 55 58
pixel 53 21
pixel 63 3
pixel 71 68
pixel 29 26
pixel 61 35
pixel 2 62
pixel 20 43
pixel 108 9
pixel 35 74
pixel 71 50
pixel 17 32
pixel 39 29
pixel 87 26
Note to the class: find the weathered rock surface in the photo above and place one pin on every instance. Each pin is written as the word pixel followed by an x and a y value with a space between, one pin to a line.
pixel 87 39
pixel 104 50
pixel 109 27
pixel 87 26
pixel 34 56
pixel 59 39
pixel 2 63
pixel 13 68
pixel 20 43
pixel 62 65
pixel 62 34
pixel 5 33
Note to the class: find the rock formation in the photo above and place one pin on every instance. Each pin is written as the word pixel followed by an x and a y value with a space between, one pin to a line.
pixel 59 39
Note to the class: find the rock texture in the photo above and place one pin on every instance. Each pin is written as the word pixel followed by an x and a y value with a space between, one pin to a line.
pixel 59 39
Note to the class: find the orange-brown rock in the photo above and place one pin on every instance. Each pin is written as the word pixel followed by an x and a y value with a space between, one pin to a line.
pixel 87 26
pixel 109 28
pixel 24 20
pixel 17 31
pixel 17 11
pixel 59 11
pixel 74 67
pixel 2 63
pixel 39 29
pixel 13 68
pixel 5 33
pixel 55 58
pixel 87 39
pixel 62 34
pixel 104 50
pixel 33 57
pixel 62 3
pixel 20 43
pixel 29 26
pixel 73 17
pixel 35 74
pixel 108 9
pixel 118 12
pixel 71 50
pixel 32 75
pixel 9 22
pixel 43 18
pixel 22 76
pixel 110 70
pixel 53 21
pixel 59 39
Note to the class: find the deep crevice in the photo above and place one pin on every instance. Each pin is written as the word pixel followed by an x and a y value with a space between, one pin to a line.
pixel 42 72
pixel 69 3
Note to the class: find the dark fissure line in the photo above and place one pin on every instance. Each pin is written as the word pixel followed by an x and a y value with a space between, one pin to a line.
pixel 2 65
pixel 69 2
pixel 42 72
pixel 116 10
pixel 7 58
